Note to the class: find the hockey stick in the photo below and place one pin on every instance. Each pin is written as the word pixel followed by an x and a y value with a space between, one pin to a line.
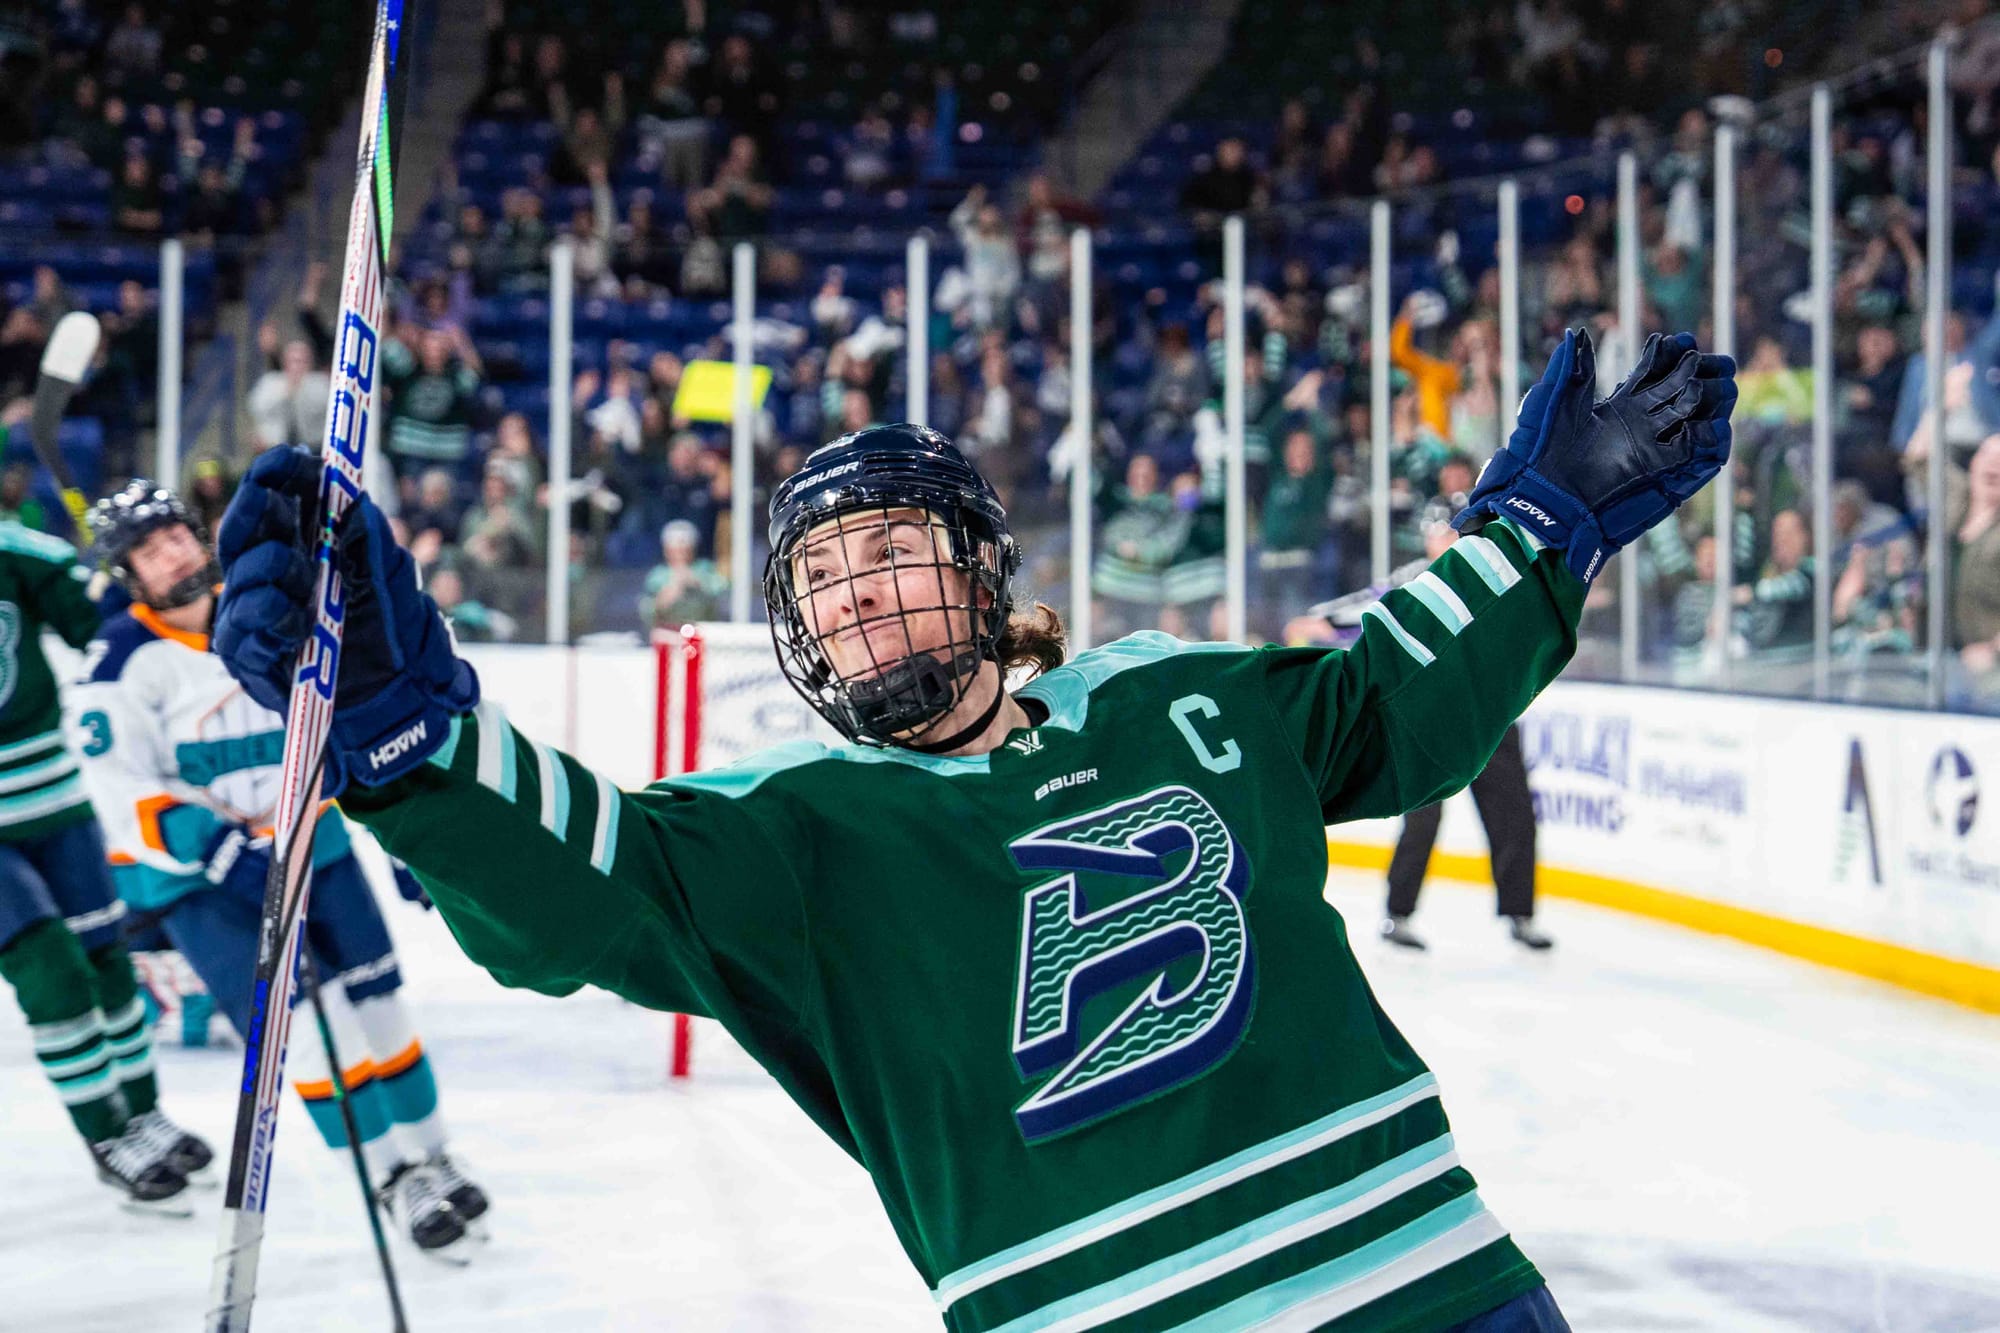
pixel 65 361
pixel 310 712
pixel 339 1080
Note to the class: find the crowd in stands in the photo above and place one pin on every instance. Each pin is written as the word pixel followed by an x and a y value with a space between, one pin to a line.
pixel 719 128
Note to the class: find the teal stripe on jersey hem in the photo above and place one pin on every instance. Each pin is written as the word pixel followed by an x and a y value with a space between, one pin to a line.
pixel 48 740
pixel 1486 560
pixel 1139 1208
pixel 554 780
pixel 48 801
pixel 1220 1255
pixel 445 753
pixel 1440 601
pixel 37 773
pixel 1448 1233
pixel 1409 642
pixel 604 845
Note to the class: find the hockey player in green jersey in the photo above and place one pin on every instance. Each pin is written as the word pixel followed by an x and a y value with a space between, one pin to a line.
pixel 59 916
pixel 1052 963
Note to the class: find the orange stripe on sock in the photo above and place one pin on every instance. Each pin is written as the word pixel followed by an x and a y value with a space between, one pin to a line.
pixel 400 1061
pixel 322 1090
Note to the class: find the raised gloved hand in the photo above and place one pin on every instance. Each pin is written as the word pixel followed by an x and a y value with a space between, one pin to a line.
pixel 1588 477
pixel 399 683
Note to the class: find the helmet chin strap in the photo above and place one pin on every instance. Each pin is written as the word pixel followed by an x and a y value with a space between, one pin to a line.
pixel 915 691
pixel 966 733
pixel 188 590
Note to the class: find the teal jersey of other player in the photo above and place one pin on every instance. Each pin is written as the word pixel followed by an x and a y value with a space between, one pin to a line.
pixel 41 584
pixel 1078 1005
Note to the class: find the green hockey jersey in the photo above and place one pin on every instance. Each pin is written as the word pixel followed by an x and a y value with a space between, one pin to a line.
pixel 40 584
pixel 1078 1004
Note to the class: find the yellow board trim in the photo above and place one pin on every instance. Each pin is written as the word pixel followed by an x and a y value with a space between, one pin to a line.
pixel 1953 979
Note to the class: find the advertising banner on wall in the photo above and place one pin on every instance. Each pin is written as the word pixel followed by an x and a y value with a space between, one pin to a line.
pixel 1870 822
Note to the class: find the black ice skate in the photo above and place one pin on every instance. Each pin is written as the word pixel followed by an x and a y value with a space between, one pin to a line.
pixel 184 1152
pixel 139 1170
pixel 1522 930
pixel 467 1198
pixel 415 1200
pixel 1396 930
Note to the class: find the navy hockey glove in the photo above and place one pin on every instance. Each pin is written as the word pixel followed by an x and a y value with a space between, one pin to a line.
pixel 235 862
pixel 1588 477
pixel 400 682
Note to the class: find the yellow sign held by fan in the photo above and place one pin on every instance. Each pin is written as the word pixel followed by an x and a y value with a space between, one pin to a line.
pixel 708 390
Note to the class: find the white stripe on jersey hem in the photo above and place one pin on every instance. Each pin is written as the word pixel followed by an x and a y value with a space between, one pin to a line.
pixel 496 749
pixel 604 843
pixel 1402 636
pixel 65 794
pixel 48 740
pixel 1488 562
pixel 35 774
pixel 1220 1175
pixel 1440 601
pixel 1465 1239
pixel 1253 1240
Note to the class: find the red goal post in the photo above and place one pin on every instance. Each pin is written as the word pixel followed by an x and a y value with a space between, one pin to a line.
pixel 720 696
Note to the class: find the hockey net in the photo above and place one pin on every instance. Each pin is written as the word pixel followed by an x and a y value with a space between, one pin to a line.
pixel 720 697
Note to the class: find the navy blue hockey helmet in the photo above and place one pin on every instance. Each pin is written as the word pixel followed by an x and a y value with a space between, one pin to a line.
pixel 120 522
pixel 855 483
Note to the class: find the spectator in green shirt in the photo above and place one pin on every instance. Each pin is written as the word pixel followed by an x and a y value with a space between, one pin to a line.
pixel 682 588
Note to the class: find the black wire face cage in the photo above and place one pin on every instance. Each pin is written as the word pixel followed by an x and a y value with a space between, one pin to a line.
pixel 883 613
pixel 118 523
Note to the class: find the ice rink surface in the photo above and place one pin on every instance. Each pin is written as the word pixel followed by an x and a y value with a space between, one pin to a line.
pixel 1683 1132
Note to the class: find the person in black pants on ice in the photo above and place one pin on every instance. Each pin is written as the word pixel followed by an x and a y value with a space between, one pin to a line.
pixel 1500 792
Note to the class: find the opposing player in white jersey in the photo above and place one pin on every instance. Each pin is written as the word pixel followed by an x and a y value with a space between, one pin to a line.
pixel 183 767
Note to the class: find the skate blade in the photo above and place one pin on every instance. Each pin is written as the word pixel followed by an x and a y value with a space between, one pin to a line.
pixel 458 1254
pixel 179 1206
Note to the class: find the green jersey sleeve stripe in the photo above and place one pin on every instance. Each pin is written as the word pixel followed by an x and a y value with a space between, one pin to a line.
pixel 604 843
pixel 1440 601
pixel 1409 641
pixel 449 750
pixel 1246 1244
pixel 1487 562
pixel 1176 1193
pixel 1314 1298
pixel 554 782
pixel 496 749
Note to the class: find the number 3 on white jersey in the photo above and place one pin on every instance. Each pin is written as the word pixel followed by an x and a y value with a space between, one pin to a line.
pixel 1185 930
